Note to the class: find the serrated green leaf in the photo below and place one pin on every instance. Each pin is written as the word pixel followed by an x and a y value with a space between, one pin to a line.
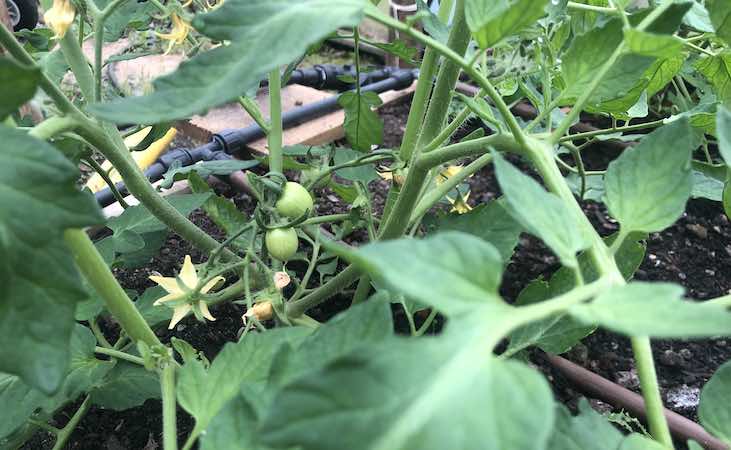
pixel 491 21
pixel 653 44
pixel 720 13
pixel 127 385
pixel 22 400
pixel 455 272
pixel 648 185
pixel 656 310
pixel 490 222
pixel 203 392
pixel 399 49
pixel 714 410
pixel 717 70
pixel 263 35
pixel 541 213
pixel 364 174
pixel 363 126
pixel 662 71
pixel 205 169
pixel 419 395
pixel 18 84
pixel 38 201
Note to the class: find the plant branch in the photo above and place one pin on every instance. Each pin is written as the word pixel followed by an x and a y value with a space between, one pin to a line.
pixel 590 134
pixel 64 434
pixel 119 355
pixel 274 138
pixel 169 423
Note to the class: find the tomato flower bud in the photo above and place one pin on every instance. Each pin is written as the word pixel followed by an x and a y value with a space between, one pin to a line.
pixel 60 17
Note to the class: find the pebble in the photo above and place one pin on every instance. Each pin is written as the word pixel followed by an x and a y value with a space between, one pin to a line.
pixel 698 230
pixel 671 358
pixel 628 378
pixel 683 398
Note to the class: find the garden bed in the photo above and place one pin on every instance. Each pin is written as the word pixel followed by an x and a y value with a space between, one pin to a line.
pixel 695 252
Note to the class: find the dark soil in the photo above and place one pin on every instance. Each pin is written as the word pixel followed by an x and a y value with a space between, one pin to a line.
pixel 695 252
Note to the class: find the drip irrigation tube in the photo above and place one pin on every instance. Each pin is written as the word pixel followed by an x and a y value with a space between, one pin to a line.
pixel 230 142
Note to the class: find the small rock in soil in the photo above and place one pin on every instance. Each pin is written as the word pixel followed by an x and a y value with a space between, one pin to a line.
pixel 683 398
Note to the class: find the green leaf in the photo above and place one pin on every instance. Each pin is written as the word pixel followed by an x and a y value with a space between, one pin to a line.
pixel 558 334
pixel 23 400
pixel 656 310
pixel 203 392
pixel 363 126
pixel 424 394
pixel 587 55
pixel 653 44
pixel 708 180
pixel 38 201
pixel 454 272
pixel 714 410
pixel 17 85
pixel 648 185
pixel 723 129
pixel 128 15
pixel 492 20
pixel 589 430
pixel 541 213
pixel 263 35
pixel 363 324
pixel 364 174
pixel 127 385
pixel 137 234
pixel 431 23
pixel 400 49
pixel 222 211
pixel 717 70
pixel 235 427
pixel 720 14
pixel 489 221
pixel 662 71
pixel 153 315
pixel 205 169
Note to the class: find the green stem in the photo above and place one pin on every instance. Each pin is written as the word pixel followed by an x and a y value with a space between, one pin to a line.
pixel 64 434
pixel 459 38
pixel 169 423
pixel 449 130
pixel 98 334
pixel 99 20
pixel 78 64
pixel 110 184
pixel 503 142
pixel 310 269
pixel 436 194
pixel 324 292
pixel 119 355
pixel 377 15
pixel 326 219
pixel 427 323
pixel 648 383
pixel 590 134
pixel 362 290
pixel 275 120
pixel 97 273
pixel 53 126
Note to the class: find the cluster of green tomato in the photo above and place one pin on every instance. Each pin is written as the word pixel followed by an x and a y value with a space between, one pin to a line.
pixel 294 201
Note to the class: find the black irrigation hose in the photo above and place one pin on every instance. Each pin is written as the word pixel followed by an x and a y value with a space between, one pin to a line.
pixel 229 142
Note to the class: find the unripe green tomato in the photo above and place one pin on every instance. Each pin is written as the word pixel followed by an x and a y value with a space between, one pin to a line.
pixel 281 243
pixel 294 200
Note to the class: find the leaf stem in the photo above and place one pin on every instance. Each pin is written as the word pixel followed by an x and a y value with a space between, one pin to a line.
pixel 53 126
pixel 590 134
pixel 64 434
pixel 119 355
pixel 110 184
pixel 591 8
pixel 100 19
pixel 648 383
pixel 78 64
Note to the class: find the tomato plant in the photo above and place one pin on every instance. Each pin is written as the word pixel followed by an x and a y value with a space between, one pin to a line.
pixel 550 82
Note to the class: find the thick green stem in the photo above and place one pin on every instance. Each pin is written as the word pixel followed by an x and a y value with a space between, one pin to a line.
pixel 459 38
pixel 590 134
pixel 502 142
pixel 275 120
pixel 62 437
pixel 97 273
pixel 78 64
pixel 169 422
pixel 449 130
pixel 648 383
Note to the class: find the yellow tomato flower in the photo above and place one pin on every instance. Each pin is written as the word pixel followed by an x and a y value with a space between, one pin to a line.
pixel 177 35
pixel 178 293
pixel 60 17
pixel 459 204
